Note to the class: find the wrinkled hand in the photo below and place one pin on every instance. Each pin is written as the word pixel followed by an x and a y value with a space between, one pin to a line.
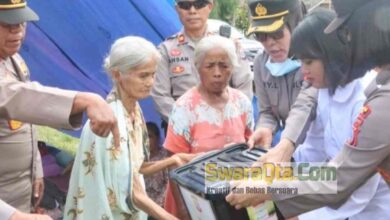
pixel 102 119
pixel 26 216
pixel 261 136
pixel 239 197
pixel 181 159
pixel 282 152
pixel 100 114
pixel 38 189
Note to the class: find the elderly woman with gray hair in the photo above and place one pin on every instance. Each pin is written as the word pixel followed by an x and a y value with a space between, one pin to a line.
pixel 107 182
pixel 211 114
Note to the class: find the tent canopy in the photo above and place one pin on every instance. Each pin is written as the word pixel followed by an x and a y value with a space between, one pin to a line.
pixel 67 46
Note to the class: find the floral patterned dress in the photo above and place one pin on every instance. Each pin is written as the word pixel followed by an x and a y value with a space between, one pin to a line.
pixel 194 126
pixel 156 183
pixel 102 177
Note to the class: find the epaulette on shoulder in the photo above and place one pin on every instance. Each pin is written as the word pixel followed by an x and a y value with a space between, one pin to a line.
pixel 179 37
pixel 172 37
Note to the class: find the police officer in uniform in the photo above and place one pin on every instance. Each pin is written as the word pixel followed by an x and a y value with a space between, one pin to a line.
pixel 20 166
pixel 176 72
pixel 364 26
pixel 278 80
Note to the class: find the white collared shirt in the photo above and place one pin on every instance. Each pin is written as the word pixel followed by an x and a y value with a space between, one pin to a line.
pixel 326 137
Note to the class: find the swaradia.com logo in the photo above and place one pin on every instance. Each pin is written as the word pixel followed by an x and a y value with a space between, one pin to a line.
pixel 283 178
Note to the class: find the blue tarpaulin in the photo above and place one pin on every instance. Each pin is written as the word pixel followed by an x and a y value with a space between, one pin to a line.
pixel 66 47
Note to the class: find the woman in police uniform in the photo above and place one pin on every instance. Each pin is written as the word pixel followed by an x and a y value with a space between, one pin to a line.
pixel 277 77
pixel 368 151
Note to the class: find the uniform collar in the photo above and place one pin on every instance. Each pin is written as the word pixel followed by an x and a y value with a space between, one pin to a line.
pixel 342 94
pixel 183 38
pixel 5 60
pixel 383 77
pixel 9 65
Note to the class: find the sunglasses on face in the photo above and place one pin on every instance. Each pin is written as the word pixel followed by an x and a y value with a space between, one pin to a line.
pixel 11 26
pixel 186 5
pixel 262 37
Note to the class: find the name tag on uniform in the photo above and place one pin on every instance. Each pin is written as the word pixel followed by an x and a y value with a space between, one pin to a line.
pixel 14 125
pixel 175 52
pixel 270 85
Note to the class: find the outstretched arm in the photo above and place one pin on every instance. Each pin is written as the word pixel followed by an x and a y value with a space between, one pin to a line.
pixel 55 107
pixel 175 160
pixel 100 114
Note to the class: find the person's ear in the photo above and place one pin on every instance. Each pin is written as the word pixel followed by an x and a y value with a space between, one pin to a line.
pixel 116 75
pixel 211 6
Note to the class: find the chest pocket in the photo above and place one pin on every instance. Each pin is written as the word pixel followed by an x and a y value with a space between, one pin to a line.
pixel 273 95
pixel 273 91
pixel 9 127
pixel 183 76
pixel 296 87
pixel 274 100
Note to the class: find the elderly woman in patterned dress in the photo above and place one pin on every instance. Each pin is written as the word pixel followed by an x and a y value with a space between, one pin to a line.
pixel 211 114
pixel 107 182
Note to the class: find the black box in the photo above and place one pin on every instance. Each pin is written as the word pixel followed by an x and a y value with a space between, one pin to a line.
pixel 209 202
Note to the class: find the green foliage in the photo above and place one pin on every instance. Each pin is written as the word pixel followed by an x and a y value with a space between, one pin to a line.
pixel 58 139
pixel 231 12
pixel 242 20
pixel 224 10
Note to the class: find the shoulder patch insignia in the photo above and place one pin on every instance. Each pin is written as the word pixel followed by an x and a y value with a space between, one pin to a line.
pixel 181 38
pixel 175 52
pixel 14 125
pixel 366 110
pixel 177 69
pixel 171 37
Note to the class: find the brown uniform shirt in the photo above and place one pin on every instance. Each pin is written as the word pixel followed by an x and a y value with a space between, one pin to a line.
pixel 367 153
pixel 278 95
pixel 20 158
pixel 21 103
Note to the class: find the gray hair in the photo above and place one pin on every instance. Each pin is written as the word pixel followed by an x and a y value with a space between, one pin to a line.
pixel 129 52
pixel 213 42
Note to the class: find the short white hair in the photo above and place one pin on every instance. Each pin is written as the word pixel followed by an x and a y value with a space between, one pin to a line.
pixel 212 42
pixel 129 52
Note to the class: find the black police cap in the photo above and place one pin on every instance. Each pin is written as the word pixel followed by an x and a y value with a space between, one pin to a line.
pixel 269 15
pixel 16 12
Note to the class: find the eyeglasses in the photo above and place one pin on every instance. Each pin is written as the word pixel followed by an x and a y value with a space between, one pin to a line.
pixel 186 5
pixel 12 26
pixel 262 37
